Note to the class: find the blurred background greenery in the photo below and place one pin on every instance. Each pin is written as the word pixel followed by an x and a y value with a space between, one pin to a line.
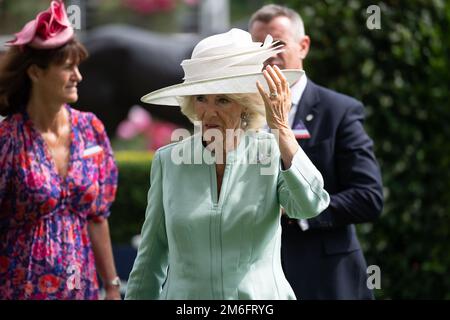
pixel 127 212
pixel 156 15
pixel 401 74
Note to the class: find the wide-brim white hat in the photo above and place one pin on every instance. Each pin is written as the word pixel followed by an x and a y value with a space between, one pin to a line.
pixel 226 63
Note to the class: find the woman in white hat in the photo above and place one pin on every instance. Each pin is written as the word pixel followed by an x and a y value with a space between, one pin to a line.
pixel 212 227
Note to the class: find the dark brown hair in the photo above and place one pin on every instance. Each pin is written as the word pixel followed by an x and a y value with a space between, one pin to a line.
pixel 15 85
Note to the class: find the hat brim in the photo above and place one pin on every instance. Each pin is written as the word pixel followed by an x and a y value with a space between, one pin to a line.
pixel 245 83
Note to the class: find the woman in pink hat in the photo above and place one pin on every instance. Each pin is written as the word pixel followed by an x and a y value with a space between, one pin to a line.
pixel 58 176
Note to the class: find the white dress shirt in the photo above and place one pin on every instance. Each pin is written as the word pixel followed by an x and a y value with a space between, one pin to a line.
pixel 297 90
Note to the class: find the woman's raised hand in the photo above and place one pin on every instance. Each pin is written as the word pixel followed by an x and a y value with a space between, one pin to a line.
pixel 278 101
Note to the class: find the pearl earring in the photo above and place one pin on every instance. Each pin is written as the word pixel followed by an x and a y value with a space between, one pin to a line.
pixel 244 119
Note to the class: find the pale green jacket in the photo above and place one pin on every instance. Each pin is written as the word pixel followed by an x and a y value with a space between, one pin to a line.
pixel 198 246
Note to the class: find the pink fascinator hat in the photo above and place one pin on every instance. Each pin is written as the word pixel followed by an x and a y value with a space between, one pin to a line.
pixel 50 29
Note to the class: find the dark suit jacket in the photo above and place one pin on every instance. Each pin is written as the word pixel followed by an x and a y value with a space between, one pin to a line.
pixel 326 261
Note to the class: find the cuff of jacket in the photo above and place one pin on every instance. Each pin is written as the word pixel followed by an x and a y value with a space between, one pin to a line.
pixel 304 170
pixel 304 175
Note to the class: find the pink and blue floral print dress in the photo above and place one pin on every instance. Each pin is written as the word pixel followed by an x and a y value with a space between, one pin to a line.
pixel 45 251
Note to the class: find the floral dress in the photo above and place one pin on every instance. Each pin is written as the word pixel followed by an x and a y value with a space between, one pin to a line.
pixel 45 251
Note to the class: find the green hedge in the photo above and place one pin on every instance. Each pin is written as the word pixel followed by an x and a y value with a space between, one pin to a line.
pixel 128 210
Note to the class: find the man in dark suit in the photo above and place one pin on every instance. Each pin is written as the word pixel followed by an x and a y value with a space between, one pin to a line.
pixel 322 257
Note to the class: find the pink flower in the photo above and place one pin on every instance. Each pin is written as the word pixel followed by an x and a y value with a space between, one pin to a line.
pixel 161 134
pixel 50 29
pixel 126 130
pixel 48 284
pixel 140 117
pixel 35 180
pixel 138 121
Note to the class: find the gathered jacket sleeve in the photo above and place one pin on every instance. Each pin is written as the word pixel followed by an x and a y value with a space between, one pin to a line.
pixel 150 267
pixel 301 189
pixel 107 173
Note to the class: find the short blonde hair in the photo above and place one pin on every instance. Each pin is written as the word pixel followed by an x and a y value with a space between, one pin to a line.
pixel 252 103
